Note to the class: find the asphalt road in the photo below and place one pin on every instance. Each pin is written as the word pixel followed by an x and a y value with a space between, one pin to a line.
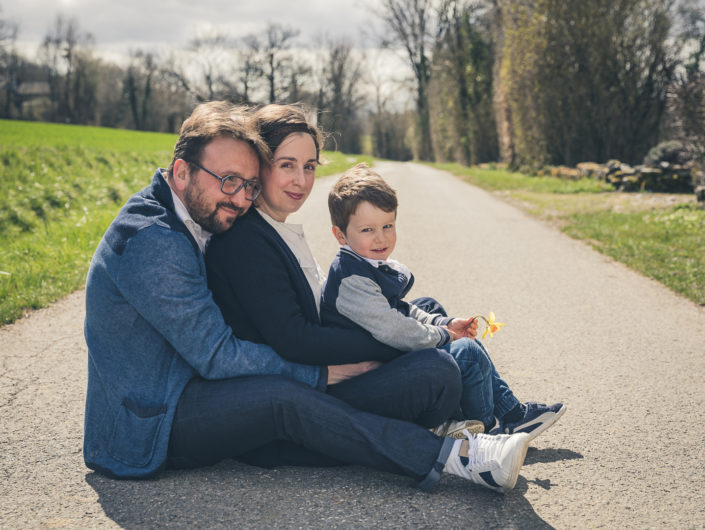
pixel 625 354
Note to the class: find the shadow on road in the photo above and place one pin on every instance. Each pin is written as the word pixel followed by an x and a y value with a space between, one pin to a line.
pixel 544 456
pixel 236 494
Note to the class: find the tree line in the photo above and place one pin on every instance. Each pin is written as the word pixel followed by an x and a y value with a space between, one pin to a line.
pixel 527 82
pixel 69 82
pixel 552 82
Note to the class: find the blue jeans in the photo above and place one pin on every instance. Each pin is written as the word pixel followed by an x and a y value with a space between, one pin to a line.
pixel 378 419
pixel 485 394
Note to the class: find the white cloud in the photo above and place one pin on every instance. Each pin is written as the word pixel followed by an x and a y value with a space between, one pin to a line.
pixel 172 22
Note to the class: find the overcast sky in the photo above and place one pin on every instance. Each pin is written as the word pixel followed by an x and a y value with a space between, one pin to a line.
pixel 119 25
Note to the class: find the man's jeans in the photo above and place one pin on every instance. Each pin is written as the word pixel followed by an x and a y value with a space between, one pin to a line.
pixel 378 419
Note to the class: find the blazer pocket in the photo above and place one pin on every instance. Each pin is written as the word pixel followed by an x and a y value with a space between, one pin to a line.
pixel 135 433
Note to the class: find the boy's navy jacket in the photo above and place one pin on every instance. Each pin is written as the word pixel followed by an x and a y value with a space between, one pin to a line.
pixel 263 293
pixel 151 326
pixel 393 284
pixel 358 294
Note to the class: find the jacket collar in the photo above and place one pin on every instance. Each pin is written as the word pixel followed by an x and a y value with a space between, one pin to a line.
pixel 388 264
pixel 161 192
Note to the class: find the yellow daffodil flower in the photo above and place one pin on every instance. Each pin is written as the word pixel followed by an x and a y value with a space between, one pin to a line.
pixel 491 325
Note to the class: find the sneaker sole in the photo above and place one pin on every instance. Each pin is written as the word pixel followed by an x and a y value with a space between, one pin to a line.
pixel 546 423
pixel 472 426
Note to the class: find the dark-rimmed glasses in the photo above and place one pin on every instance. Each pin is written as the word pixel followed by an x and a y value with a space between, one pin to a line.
pixel 231 184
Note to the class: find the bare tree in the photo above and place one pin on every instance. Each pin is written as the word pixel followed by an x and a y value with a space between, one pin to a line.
pixel 415 25
pixel 138 86
pixel 251 70
pixel 277 41
pixel 460 94
pixel 339 96
pixel 9 67
pixel 64 53
pixel 691 26
pixel 387 125
pixel 175 71
pixel 111 107
pixel 206 69
pixel 686 102
pixel 8 37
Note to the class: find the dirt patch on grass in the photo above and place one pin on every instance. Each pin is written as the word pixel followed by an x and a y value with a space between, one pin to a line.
pixel 554 208
pixel 633 202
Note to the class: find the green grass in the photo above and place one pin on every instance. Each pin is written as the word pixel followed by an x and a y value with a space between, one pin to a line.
pixel 335 162
pixel 660 235
pixel 33 134
pixel 61 187
pixel 667 245
pixel 496 179
pixel 55 206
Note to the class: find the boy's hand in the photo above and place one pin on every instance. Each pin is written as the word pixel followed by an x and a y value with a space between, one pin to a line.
pixel 462 327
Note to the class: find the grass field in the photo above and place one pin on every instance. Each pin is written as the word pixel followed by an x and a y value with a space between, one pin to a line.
pixel 61 187
pixel 660 235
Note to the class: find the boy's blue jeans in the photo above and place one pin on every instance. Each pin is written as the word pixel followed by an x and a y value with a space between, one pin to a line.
pixel 485 394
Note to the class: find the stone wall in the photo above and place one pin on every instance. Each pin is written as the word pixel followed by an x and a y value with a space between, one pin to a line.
pixel 666 177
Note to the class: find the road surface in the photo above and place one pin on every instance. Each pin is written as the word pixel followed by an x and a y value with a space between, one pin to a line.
pixel 625 354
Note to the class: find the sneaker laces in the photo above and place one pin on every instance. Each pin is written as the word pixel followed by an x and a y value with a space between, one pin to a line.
pixel 482 452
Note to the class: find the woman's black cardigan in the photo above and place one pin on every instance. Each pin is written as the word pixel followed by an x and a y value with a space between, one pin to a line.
pixel 265 297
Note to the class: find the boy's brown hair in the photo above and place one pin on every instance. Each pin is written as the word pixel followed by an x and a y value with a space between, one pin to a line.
pixel 359 183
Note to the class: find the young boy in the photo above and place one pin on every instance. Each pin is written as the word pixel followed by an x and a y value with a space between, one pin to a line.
pixel 366 289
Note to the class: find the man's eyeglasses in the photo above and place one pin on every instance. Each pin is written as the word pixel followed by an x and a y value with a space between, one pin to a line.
pixel 231 184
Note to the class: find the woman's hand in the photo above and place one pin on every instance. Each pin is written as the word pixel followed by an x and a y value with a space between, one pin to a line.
pixel 341 372
pixel 462 327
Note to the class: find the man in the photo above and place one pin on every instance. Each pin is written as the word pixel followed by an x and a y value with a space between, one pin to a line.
pixel 168 383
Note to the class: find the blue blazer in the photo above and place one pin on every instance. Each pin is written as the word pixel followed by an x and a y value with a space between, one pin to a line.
pixel 263 294
pixel 152 325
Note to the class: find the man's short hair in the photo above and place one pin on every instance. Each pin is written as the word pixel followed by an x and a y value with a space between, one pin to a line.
pixel 216 119
pixel 359 183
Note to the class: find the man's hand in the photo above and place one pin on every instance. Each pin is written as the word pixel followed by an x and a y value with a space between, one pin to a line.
pixel 462 327
pixel 341 372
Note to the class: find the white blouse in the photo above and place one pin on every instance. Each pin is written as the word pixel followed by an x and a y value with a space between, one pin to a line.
pixel 293 236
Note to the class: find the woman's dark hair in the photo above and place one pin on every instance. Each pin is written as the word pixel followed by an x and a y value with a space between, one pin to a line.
pixel 276 122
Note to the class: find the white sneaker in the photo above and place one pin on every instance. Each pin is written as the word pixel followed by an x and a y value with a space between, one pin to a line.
pixel 491 461
pixel 454 429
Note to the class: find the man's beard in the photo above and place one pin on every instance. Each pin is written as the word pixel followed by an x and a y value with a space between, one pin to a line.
pixel 198 209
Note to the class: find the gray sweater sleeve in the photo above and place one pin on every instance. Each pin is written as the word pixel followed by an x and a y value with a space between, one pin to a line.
pixel 427 318
pixel 361 300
